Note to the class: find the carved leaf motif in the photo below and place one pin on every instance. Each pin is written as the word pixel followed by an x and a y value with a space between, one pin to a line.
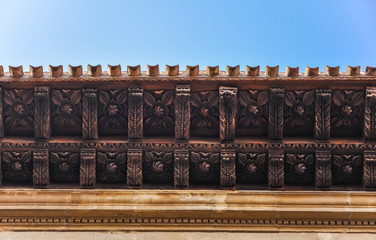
pixel 251 168
pixel 17 166
pixel 253 111
pixel 64 167
pixel 112 109
pixel 111 167
pixel 204 167
pixel 159 110
pixel 299 109
pixel 299 169
pixel 135 115
pixel 90 115
pixel 347 169
pixel 158 167
pixel 205 112
pixel 40 168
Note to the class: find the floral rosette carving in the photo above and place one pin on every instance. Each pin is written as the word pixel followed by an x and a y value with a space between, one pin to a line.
pixel 158 109
pixel 66 109
pixel 347 109
pixel 17 166
pixel 64 167
pixel 299 169
pixel 113 109
pixel 111 167
pixel 347 169
pixel 205 114
pixel 299 111
pixel 253 109
pixel 251 167
pixel 204 167
pixel 158 167
pixel 18 109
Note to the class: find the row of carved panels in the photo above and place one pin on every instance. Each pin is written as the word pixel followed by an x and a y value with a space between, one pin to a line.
pixel 347 112
pixel 203 167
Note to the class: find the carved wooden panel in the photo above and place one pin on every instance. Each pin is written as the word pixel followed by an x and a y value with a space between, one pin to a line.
pixel 369 131
pixel 41 175
pixel 347 112
pixel 87 167
pixel 347 168
pixel 134 167
pixel 299 113
pixel 66 112
pixel 369 175
pixel 227 171
pixel 18 112
pixel 251 168
pixel 89 114
pixel 205 114
pixel 158 167
pixel 111 167
pixel 17 166
pixel 323 169
pixel 1 118
pixel 135 112
pixel 159 112
pixel 322 114
pixel 275 129
pixel 113 112
pixel 181 168
pixel 276 176
pixel 42 117
pixel 204 167
pixel 182 111
pixel 299 169
pixel 227 113
pixel 64 167
pixel 253 112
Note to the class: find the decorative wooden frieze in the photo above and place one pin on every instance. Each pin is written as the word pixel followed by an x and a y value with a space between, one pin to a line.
pixel 323 177
pixel 253 109
pixel 205 113
pixel 181 168
pixel 1 115
pixel 42 114
pixel 322 114
pixel 369 129
pixel 182 111
pixel 204 167
pixel 89 114
pixel 135 112
pixel 251 168
pixel 347 168
pixel 227 113
pixel 228 173
pixel 369 172
pixel 276 175
pixel 158 167
pixel 299 169
pixel 276 103
pixel 87 167
pixel 17 166
pixel 64 167
pixel 111 167
pixel 41 175
pixel 134 167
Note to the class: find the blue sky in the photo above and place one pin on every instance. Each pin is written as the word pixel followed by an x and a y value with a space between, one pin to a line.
pixel 290 32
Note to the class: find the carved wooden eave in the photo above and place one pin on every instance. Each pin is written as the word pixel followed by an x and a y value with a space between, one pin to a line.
pixel 275 151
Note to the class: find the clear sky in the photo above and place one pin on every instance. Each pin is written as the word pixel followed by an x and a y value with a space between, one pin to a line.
pixel 289 32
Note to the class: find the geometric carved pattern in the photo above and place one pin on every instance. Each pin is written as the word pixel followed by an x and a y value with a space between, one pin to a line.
pixel 276 104
pixel 41 176
pixel 182 111
pixel 158 167
pixel 276 169
pixel 369 132
pixel 369 176
pixel 347 112
pixel 181 168
pixel 113 112
pixel 87 167
pixel 17 166
pixel 205 113
pixel 18 112
pixel 253 109
pixel 66 113
pixel 159 111
pixel 64 167
pixel 322 114
pixel 134 167
pixel 204 167
pixel 227 113
pixel 42 123
pixel 252 168
pixel 111 167
pixel 299 111
pixel 323 169
pixel 299 169
pixel 347 169
pixel 228 174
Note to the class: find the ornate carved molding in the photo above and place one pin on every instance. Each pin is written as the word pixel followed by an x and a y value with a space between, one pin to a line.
pixel 135 112
pixel 228 173
pixel 227 113
pixel 134 167
pixel 369 175
pixel 369 130
pixel 276 173
pixel 276 104
pixel 323 170
pixel 322 114
pixel 181 168
pixel 41 175
pixel 89 114
pixel 182 112
pixel 42 122
pixel 87 168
